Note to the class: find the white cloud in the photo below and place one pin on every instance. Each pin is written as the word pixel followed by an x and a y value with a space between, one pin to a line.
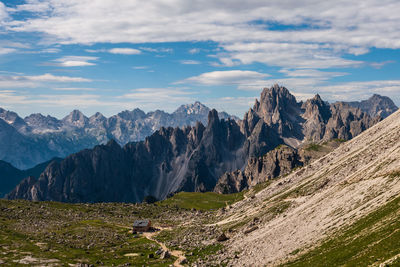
pixel 75 61
pixel 13 81
pixel 229 77
pixel 34 6
pixel 336 28
pixel 190 62
pixel 6 50
pixel 378 65
pixel 125 51
pixel 50 50
pixel 3 13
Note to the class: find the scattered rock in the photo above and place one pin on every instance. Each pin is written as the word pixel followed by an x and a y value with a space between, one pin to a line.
pixel 222 238
pixel 249 230
pixel 165 255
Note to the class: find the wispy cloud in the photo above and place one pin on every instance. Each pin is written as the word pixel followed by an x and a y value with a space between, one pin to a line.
pixel 6 50
pixel 194 51
pixel 378 65
pixel 125 51
pixel 190 62
pixel 73 89
pixel 140 67
pixel 229 77
pixel 311 73
pixel 12 81
pixel 74 61
pixel 157 50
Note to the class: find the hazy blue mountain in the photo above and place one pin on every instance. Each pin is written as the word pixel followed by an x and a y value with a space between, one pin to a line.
pixel 37 138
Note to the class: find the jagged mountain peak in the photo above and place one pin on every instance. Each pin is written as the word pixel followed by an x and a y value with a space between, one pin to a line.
pixel 39 122
pixel 195 108
pixel 76 118
pixel 274 99
pixel 13 119
pixel 213 117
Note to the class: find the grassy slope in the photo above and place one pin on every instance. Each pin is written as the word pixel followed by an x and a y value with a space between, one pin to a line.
pixel 201 201
pixel 99 233
pixel 73 233
pixel 373 239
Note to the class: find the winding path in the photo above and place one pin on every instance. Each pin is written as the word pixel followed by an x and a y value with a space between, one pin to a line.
pixel 176 253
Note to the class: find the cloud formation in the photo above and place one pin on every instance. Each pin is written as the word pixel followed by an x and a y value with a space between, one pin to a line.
pixel 320 35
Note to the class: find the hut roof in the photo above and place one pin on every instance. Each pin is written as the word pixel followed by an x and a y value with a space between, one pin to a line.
pixel 141 223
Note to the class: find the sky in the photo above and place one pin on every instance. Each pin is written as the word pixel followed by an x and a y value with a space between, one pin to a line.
pixel 109 56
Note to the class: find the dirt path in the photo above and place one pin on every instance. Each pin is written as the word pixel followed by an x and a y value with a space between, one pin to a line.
pixel 176 253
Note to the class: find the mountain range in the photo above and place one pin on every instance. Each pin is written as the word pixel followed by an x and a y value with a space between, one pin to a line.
pixel 35 139
pixel 194 158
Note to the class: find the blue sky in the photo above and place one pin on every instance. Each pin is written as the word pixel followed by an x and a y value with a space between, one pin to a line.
pixel 108 56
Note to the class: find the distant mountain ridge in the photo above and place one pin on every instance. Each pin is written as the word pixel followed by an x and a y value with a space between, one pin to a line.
pixel 11 176
pixel 195 157
pixel 38 138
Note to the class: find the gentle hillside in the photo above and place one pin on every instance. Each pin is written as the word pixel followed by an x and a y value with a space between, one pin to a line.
pixel 338 209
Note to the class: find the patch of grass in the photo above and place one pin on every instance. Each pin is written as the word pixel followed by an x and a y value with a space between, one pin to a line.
pixel 258 187
pixel 394 174
pixel 339 140
pixel 371 240
pixel 280 146
pixel 313 147
pixel 202 252
pixel 201 201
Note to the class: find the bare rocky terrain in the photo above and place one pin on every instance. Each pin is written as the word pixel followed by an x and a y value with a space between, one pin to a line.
pixel 318 201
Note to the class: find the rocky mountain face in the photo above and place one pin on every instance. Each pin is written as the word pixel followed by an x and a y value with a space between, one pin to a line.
pixel 376 105
pixel 195 157
pixel 311 216
pixel 41 138
pixel 277 162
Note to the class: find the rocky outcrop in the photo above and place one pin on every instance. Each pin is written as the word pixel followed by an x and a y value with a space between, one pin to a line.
pixel 276 119
pixel 23 189
pixel 277 162
pixel 10 176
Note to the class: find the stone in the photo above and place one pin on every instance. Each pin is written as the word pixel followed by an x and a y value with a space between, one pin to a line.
pixel 251 229
pixel 165 255
pixel 222 237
